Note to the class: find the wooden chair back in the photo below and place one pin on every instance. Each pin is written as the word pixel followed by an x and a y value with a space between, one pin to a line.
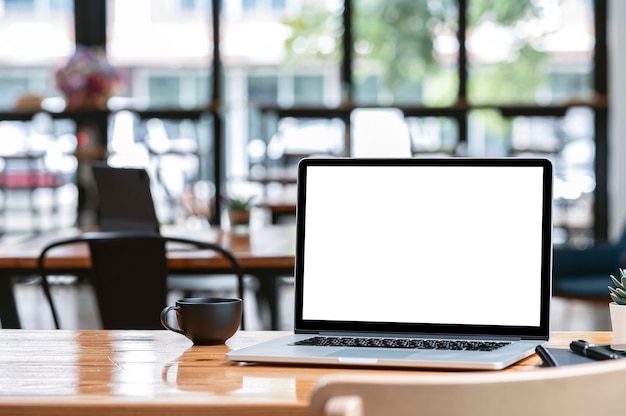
pixel 575 390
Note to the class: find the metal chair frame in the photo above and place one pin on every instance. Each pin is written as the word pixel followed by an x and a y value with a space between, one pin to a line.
pixel 139 261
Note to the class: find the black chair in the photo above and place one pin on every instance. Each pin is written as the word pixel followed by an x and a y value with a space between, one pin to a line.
pixel 125 203
pixel 129 275
pixel 584 273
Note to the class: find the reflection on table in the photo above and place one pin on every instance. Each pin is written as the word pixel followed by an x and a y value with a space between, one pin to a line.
pixel 161 373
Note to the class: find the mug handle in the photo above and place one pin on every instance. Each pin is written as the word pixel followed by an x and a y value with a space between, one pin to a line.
pixel 164 313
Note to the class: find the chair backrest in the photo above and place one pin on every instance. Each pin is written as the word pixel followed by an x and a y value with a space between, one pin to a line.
pixel 125 200
pixel 129 275
pixel 576 390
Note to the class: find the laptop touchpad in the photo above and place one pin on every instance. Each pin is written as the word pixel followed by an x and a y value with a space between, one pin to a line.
pixel 374 353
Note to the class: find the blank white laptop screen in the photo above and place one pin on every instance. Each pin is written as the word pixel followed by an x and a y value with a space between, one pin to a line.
pixel 423 244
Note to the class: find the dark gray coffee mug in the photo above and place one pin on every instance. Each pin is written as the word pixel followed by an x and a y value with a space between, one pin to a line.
pixel 205 321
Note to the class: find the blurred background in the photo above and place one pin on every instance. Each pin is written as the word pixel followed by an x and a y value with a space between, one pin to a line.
pixel 415 78
pixel 220 98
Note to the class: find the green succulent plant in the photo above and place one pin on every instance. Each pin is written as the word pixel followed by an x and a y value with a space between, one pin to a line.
pixel 238 203
pixel 618 293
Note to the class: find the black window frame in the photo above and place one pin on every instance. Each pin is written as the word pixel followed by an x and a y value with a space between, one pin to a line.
pixel 91 26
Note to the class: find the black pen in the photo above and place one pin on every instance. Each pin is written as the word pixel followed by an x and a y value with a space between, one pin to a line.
pixel 592 351
pixel 546 356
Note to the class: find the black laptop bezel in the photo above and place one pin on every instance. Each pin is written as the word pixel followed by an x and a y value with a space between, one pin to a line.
pixel 540 332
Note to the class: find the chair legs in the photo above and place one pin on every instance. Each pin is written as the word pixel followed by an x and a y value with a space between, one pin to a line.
pixel 46 290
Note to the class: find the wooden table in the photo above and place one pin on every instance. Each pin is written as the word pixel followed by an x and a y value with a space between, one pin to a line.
pixel 266 252
pixel 278 208
pixel 112 373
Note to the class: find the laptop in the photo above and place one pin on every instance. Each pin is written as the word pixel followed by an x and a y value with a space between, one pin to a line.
pixel 426 263
pixel 124 199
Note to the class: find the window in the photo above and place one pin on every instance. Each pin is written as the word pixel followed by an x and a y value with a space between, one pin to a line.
pixel 419 38
pixel 19 5
pixel 464 77
pixel 150 38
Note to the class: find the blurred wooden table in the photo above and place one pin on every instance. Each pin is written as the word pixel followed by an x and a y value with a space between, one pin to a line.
pixel 161 373
pixel 278 208
pixel 267 253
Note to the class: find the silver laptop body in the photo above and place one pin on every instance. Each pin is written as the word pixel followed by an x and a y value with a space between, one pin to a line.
pixel 427 263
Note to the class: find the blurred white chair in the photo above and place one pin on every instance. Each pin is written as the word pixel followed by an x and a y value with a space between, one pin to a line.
pixel 380 133
pixel 575 390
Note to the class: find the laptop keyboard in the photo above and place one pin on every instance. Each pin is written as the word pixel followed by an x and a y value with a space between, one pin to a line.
pixel 409 343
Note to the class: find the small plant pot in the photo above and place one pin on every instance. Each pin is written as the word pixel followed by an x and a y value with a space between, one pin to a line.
pixel 618 322
pixel 239 220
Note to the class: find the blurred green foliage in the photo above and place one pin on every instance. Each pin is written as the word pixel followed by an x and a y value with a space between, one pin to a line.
pixel 395 40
